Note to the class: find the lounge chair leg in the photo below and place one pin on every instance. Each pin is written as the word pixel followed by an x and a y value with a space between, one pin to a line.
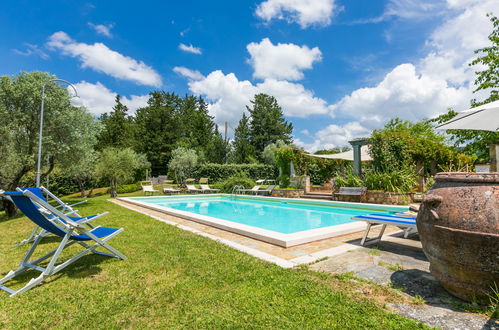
pixel 372 240
pixel 30 238
pixel 381 233
pixel 363 241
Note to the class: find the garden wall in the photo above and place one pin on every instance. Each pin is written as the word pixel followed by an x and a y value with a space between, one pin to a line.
pixel 288 193
pixel 379 197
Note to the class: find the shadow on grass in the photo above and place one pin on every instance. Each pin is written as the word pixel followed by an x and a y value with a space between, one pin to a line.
pixel 4 218
pixel 85 267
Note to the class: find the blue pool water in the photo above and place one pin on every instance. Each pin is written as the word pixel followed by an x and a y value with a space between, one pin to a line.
pixel 276 215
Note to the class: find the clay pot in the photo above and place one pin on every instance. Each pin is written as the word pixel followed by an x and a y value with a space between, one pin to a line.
pixel 458 224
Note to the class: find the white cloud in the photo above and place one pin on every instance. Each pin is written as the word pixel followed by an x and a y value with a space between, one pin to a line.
pixel 295 99
pixel 333 136
pixel 281 61
pixel 303 12
pixel 190 49
pixel 188 73
pixel 32 50
pixel 229 96
pixel 440 80
pixel 102 29
pixel 102 59
pixel 98 99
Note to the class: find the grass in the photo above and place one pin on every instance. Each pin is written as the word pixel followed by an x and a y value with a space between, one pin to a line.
pixel 177 279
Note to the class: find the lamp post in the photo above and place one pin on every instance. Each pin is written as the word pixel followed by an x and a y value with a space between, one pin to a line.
pixel 41 126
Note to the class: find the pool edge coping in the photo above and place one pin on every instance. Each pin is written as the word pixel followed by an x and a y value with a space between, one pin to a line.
pixel 301 260
pixel 280 239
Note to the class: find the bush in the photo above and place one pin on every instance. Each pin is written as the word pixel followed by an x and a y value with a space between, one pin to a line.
pixel 348 180
pixel 228 184
pixel 60 184
pixel 221 172
pixel 401 181
pixel 127 188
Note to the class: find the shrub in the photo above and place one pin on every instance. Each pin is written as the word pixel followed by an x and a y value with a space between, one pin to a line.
pixel 128 188
pixel 401 181
pixel 348 180
pixel 240 179
pixel 221 172
pixel 60 184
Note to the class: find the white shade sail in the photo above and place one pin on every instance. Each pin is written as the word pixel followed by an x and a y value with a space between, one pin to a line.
pixel 347 155
pixel 482 118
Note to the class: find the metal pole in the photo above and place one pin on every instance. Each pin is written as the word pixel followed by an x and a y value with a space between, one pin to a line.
pixel 40 141
pixel 38 166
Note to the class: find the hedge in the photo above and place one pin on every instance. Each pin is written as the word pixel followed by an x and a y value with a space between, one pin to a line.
pixel 220 172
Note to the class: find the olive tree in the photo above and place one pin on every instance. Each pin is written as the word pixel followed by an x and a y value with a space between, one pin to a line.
pixel 119 166
pixel 63 132
pixel 183 162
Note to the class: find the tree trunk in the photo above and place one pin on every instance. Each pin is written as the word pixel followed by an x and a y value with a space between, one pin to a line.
pixel 9 207
pixel 81 185
pixel 113 189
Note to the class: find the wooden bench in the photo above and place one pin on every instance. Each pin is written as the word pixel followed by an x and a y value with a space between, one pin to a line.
pixel 351 191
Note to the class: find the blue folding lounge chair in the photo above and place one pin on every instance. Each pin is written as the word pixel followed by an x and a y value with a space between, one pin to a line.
pixel 70 229
pixel 406 222
pixel 45 195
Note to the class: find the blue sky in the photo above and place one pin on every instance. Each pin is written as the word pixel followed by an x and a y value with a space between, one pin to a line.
pixel 338 68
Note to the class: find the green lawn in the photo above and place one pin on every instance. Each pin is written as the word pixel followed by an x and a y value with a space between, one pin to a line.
pixel 174 278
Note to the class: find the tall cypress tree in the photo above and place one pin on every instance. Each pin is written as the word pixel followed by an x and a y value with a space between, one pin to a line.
pixel 118 128
pixel 244 152
pixel 268 124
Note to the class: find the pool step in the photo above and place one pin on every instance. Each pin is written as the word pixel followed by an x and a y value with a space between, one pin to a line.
pixel 312 195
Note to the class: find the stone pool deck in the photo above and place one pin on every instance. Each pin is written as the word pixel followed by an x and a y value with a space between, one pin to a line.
pixel 394 262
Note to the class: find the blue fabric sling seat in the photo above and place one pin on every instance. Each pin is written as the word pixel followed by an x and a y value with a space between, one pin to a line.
pixel 44 194
pixel 71 231
pixel 406 222
pixel 392 219
pixel 26 206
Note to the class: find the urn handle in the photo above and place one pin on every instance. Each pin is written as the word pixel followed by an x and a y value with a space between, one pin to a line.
pixel 432 202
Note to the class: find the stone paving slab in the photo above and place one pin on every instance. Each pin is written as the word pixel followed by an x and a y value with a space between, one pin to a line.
pixel 401 263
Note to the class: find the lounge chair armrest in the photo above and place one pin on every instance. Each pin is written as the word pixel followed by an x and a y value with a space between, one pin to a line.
pixel 77 203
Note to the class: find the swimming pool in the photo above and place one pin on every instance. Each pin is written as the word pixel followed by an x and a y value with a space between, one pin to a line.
pixel 282 221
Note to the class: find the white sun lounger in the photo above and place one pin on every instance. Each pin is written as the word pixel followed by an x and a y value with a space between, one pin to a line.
pixel 206 188
pixel 192 188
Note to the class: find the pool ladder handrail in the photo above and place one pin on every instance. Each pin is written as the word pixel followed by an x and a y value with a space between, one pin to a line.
pixel 236 190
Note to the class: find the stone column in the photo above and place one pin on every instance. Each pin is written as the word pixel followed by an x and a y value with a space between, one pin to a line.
pixel 306 180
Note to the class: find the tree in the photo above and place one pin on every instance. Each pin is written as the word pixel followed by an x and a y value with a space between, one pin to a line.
pixel 20 100
pixel 335 150
pixel 183 161
pixel 170 121
pixel 81 159
pixel 117 128
pixel 158 128
pixel 218 149
pixel 470 142
pixel 267 123
pixel 119 166
pixel 244 152
pixel 402 145
pixel 488 79
pixel 269 152
pixel 473 142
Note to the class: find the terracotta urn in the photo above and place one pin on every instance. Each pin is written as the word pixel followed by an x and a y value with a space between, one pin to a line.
pixel 458 224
